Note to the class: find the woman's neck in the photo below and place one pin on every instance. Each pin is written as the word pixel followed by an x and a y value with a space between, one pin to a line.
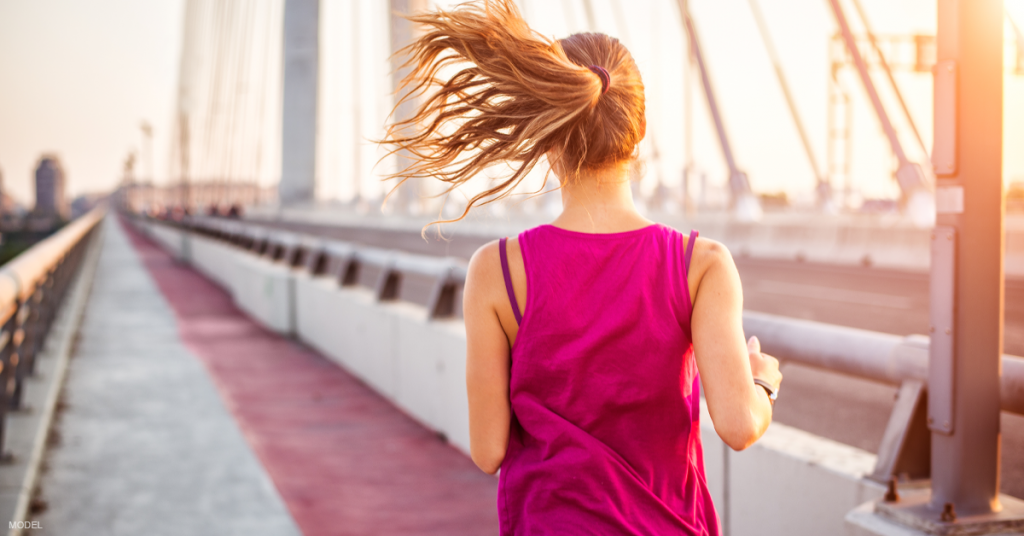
pixel 600 201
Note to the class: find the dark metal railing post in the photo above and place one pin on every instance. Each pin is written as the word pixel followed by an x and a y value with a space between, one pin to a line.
pixel 6 378
pixel 34 285
pixel 22 347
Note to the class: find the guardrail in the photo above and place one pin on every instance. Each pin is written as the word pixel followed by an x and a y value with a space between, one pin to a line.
pixel 436 283
pixel 880 357
pixel 902 361
pixel 32 286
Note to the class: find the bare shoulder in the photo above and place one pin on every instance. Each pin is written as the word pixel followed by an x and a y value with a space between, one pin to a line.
pixel 484 270
pixel 483 264
pixel 710 252
pixel 710 256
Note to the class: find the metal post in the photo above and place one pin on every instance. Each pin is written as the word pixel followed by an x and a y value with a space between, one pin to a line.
pixel 688 205
pixel 407 198
pixel 1019 64
pixel 147 138
pixel 298 121
pixel 967 158
pixel 357 109
pixel 184 154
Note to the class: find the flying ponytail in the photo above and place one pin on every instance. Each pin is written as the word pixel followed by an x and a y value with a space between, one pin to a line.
pixel 516 97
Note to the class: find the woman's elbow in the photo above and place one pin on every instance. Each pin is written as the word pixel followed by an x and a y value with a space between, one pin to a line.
pixel 488 462
pixel 739 442
pixel 740 436
pixel 488 445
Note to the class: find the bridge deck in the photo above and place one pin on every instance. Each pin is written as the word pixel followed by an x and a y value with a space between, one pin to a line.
pixel 291 443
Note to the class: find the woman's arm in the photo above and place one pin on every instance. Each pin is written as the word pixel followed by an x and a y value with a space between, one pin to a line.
pixel 740 410
pixel 487 359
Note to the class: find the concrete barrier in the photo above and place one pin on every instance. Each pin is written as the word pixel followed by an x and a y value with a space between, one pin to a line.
pixel 214 259
pixel 265 291
pixel 393 347
pixel 884 241
pixel 789 482
pixel 170 238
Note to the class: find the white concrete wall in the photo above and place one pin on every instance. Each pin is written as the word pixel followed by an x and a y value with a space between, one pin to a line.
pixel 214 259
pixel 264 290
pixel 789 483
pixel 416 363
pixel 170 238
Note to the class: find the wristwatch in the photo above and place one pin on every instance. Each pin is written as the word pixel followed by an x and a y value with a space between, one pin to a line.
pixel 772 392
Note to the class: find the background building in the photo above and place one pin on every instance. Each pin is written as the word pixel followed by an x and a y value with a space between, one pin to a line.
pixel 50 200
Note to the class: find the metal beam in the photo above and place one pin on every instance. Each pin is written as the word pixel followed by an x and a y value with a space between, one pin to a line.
pixel 1019 64
pixel 905 451
pixel 407 198
pixel 739 184
pixel 888 73
pixel 910 176
pixel 824 189
pixel 299 107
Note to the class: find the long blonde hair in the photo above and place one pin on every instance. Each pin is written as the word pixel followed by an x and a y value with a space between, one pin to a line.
pixel 518 97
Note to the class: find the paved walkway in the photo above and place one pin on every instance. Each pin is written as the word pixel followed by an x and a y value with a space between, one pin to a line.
pixel 148 447
pixel 144 444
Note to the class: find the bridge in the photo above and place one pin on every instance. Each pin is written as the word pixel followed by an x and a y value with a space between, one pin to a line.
pixel 228 354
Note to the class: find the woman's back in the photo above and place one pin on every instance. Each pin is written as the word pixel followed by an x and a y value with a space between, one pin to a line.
pixel 604 389
pixel 590 409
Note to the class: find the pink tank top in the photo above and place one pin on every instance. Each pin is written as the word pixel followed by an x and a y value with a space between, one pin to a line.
pixel 605 395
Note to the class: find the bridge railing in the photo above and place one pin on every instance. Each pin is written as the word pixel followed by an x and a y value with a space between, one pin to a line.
pixel 433 282
pixel 32 287
pixel 436 283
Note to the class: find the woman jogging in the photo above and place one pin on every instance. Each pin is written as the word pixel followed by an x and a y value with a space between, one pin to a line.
pixel 590 338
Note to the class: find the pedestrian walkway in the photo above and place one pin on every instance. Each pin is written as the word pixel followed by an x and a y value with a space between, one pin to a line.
pixel 184 417
pixel 143 444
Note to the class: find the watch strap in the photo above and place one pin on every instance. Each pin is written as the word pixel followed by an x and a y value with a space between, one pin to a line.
pixel 773 393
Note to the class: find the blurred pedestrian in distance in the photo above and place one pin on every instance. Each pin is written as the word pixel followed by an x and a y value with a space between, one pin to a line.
pixel 588 339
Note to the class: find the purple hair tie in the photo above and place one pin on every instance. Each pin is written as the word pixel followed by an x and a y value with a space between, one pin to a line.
pixel 606 79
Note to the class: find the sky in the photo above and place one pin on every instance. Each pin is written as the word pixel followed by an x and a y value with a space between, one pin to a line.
pixel 78 78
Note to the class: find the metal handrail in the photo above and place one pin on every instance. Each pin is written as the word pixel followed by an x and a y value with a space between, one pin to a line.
pixel 880 357
pixel 20 276
pixel 32 286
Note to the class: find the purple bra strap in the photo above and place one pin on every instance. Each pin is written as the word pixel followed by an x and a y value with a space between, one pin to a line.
pixel 689 251
pixel 508 282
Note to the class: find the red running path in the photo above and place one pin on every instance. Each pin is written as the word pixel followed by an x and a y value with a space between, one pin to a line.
pixel 344 459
